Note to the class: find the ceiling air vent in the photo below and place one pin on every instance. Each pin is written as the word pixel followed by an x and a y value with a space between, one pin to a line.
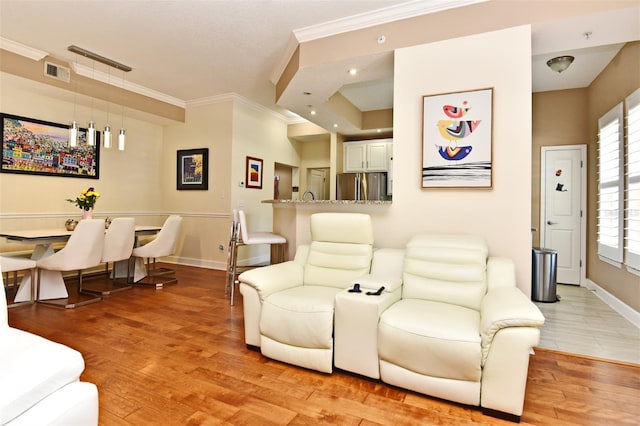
pixel 57 72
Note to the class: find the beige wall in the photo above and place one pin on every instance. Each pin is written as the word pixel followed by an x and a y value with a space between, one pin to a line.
pixel 206 213
pixel 618 80
pixel 559 118
pixel 500 215
pixel 259 134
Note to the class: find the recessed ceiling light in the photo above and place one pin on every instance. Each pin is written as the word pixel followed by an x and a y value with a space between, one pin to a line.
pixel 335 125
pixel 313 112
pixel 353 71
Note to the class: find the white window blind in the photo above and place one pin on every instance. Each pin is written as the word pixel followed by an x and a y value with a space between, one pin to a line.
pixel 610 185
pixel 632 202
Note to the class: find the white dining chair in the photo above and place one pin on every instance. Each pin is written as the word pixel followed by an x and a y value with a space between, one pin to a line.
pixel 244 237
pixel 118 246
pixel 15 264
pixel 83 250
pixel 164 244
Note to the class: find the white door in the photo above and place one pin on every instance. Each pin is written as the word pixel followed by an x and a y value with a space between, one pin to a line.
pixel 563 206
pixel 317 179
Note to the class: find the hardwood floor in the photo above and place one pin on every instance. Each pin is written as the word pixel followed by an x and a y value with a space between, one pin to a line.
pixel 177 356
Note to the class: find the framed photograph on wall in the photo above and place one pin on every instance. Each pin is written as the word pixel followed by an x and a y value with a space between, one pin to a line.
pixel 193 169
pixel 37 147
pixel 457 140
pixel 254 173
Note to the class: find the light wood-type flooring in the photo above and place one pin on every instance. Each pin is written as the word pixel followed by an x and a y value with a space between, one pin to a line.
pixel 177 356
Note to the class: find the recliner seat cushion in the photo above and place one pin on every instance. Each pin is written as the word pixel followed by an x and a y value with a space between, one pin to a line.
pixel 432 338
pixel 31 368
pixel 300 316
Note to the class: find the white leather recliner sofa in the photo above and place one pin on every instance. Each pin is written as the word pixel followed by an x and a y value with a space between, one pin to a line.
pixel 289 307
pixel 450 322
pixel 462 330
pixel 40 380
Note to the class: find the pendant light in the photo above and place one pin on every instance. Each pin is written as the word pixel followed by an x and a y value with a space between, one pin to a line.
pixel 91 128
pixel 121 136
pixel 73 130
pixel 107 127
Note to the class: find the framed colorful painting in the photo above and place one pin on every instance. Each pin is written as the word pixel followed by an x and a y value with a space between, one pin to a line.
pixel 192 169
pixel 38 147
pixel 254 173
pixel 457 140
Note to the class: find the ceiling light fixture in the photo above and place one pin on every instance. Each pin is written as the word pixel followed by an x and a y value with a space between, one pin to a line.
pixel 560 63
pixel 73 130
pixel 91 129
pixel 107 127
pixel 353 71
pixel 121 136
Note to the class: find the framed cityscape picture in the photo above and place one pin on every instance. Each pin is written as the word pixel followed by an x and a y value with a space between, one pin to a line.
pixel 37 147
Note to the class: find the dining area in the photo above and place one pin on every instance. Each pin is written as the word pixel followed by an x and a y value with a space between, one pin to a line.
pixel 58 266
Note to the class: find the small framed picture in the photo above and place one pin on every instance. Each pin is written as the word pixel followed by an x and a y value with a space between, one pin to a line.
pixel 254 173
pixel 193 169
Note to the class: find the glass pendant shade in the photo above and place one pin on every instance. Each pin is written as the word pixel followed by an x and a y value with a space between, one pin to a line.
pixel 91 134
pixel 560 63
pixel 73 134
pixel 121 140
pixel 107 136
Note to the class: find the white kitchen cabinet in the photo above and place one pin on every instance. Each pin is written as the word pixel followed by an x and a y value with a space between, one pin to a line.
pixel 367 156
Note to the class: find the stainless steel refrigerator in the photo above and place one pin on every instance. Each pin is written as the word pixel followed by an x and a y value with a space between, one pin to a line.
pixel 362 186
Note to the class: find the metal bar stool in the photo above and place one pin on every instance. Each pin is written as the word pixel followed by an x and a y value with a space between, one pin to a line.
pixel 241 236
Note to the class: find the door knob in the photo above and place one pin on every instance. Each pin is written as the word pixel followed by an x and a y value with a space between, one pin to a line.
pixel 551 223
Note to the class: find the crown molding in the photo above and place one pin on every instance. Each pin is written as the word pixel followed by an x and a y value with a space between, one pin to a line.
pixel 122 83
pixel 378 17
pixel 22 49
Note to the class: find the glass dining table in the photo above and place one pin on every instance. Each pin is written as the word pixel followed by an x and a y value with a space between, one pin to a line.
pixel 52 282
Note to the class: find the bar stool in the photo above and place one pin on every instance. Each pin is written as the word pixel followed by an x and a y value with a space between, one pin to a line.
pixel 15 264
pixel 240 236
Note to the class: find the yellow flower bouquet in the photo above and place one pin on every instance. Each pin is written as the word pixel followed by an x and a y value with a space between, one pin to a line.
pixel 86 200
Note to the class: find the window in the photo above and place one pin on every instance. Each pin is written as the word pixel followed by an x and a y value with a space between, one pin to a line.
pixel 632 202
pixel 610 185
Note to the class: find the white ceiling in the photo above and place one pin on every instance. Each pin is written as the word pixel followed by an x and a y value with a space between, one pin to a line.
pixel 188 50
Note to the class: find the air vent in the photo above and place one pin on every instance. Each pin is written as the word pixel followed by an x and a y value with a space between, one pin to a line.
pixel 57 72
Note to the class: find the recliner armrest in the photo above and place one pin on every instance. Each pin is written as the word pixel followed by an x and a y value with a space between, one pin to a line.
pixel 505 307
pixel 273 278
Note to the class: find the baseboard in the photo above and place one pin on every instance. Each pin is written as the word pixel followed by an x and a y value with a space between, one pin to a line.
pixel 616 304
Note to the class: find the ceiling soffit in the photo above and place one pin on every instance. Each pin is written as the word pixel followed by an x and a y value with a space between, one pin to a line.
pixel 319 68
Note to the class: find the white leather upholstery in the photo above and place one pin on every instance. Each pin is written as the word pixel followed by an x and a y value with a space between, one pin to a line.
pixel 256 237
pixel 457 334
pixel 39 380
pixel 165 243
pixel 83 249
pixel 119 239
pixel 14 264
pixel 297 297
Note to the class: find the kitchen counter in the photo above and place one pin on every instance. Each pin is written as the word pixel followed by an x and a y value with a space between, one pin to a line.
pixel 329 202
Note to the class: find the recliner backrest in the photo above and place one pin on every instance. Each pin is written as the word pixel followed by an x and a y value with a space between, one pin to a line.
pixel 341 249
pixel 446 268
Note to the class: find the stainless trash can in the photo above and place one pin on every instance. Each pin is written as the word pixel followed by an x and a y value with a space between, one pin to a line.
pixel 543 274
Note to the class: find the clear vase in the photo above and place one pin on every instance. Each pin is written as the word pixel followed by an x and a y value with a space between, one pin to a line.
pixel 87 214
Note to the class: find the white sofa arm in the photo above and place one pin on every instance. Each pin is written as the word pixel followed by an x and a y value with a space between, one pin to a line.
pixel 273 278
pixel 506 307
